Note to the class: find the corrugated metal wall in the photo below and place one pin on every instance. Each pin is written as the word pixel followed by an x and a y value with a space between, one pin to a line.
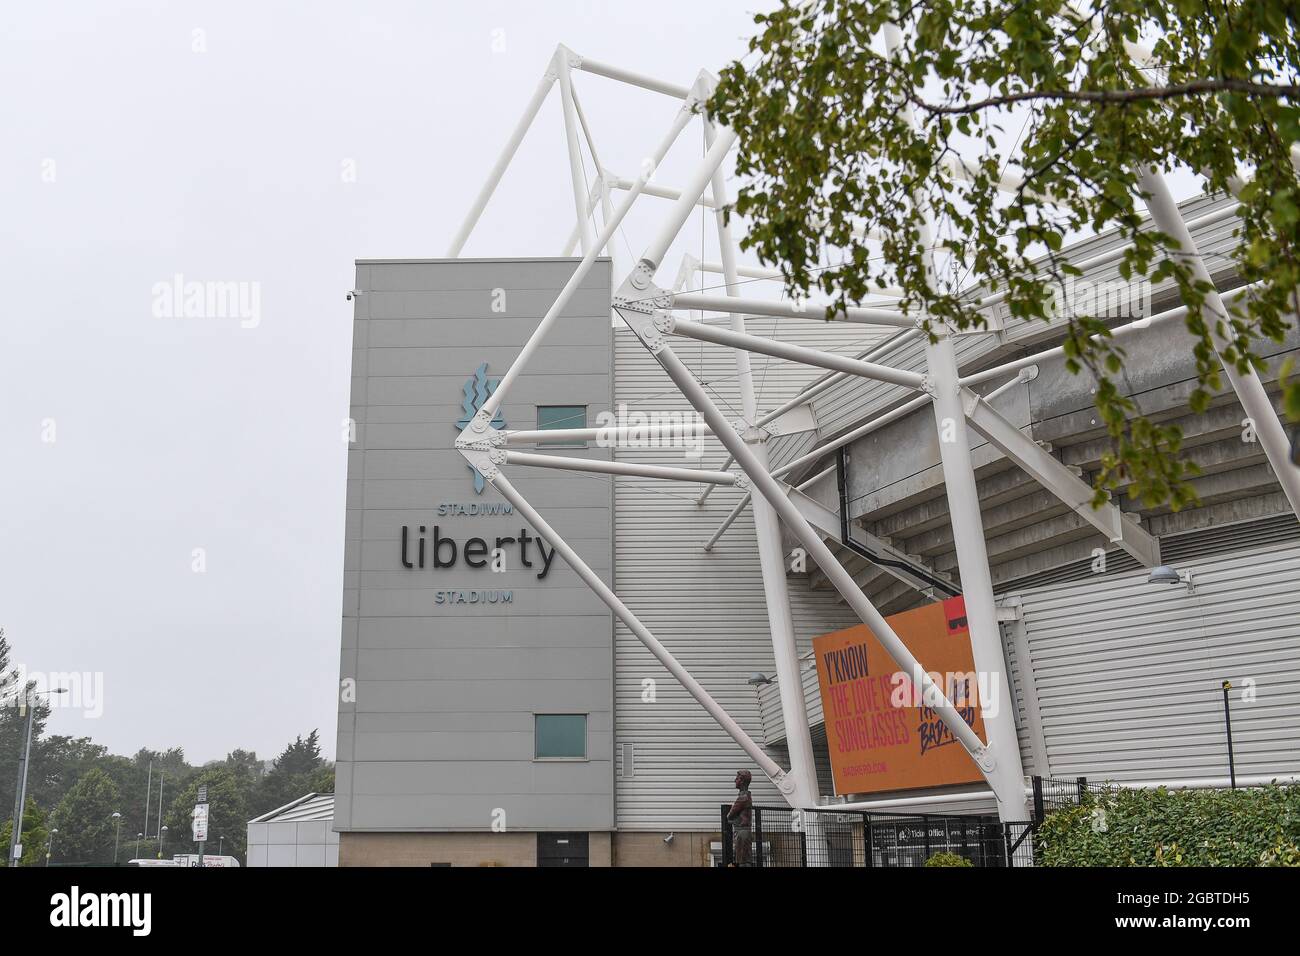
pixel 676 765
pixel 1128 673
pixel 1113 678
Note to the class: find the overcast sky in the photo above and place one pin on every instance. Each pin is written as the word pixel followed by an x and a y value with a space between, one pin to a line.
pixel 267 144
pixel 173 487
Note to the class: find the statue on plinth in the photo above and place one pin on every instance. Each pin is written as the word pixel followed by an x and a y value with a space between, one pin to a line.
pixel 741 818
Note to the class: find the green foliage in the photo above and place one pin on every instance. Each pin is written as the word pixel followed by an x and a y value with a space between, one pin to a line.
pixel 87 785
pixel 84 819
pixel 228 813
pixel 948 859
pixel 830 157
pixel 298 770
pixel 36 835
pixel 1249 827
pixel 13 727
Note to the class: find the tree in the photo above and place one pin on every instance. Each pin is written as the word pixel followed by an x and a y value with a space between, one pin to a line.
pixel 84 819
pixel 228 813
pixel 244 764
pixel 36 836
pixel 322 779
pixel 58 763
pixel 13 729
pixel 831 159
pixel 295 772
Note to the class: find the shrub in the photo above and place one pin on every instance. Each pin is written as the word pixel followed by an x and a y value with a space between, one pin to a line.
pixel 948 859
pixel 1259 826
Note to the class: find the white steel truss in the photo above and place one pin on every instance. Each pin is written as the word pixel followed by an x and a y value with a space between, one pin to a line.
pixel 648 310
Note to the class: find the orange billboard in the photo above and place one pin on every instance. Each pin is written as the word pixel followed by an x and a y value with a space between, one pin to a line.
pixel 880 733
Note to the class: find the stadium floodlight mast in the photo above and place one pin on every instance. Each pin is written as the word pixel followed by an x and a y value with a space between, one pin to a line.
pixel 648 308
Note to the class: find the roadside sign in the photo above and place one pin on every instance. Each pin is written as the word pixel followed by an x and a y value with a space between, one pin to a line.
pixel 200 822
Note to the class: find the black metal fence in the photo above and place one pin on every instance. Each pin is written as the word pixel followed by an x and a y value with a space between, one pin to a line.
pixel 781 837
pixel 1053 793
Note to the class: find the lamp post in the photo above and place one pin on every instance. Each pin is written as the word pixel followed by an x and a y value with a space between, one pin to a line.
pixel 138 838
pixel 117 838
pixel 162 839
pixel 49 850
pixel 1227 720
pixel 221 846
pixel 24 758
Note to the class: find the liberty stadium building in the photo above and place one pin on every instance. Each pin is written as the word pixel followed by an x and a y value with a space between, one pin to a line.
pixel 610 541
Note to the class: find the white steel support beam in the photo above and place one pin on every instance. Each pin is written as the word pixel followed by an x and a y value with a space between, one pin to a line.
pixel 795 353
pixel 743 503
pixel 1006 776
pixel 499 168
pixel 630 469
pixel 610 435
pixel 660 192
pixel 602 590
pixel 986 757
pixel 792 310
pixel 767 531
pixel 575 234
pixel 692 190
pixel 708 490
pixel 830 381
pixel 481 423
pixel 601 185
pixel 563 66
pixel 1250 390
pixel 632 79
pixel 1109 519
pixel 736 511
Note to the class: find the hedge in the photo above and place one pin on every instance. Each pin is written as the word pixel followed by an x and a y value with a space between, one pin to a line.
pixel 1249 827
pixel 948 859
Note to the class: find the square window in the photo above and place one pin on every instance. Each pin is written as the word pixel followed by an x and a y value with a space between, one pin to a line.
pixel 560 736
pixel 562 416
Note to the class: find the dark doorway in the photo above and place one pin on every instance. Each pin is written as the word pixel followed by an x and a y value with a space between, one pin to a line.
pixel 561 849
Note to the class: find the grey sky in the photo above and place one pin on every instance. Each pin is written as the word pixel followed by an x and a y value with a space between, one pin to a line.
pixel 129 158
pixel 269 145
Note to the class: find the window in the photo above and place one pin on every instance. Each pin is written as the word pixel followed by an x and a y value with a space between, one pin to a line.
pixel 560 736
pixel 562 416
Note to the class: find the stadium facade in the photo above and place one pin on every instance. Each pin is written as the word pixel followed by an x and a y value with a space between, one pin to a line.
pixel 492 709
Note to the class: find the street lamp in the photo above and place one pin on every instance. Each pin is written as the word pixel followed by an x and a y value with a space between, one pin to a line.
pixel 20 795
pixel 138 838
pixel 50 849
pixel 117 839
pixel 221 844
pixel 162 839
pixel 1167 574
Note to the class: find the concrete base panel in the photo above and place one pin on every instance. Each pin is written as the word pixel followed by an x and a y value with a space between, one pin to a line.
pixel 456 849
pixel 649 848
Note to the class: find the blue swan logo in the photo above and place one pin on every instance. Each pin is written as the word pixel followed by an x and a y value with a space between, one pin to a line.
pixel 476 390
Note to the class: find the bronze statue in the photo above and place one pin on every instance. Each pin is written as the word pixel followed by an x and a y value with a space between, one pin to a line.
pixel 741 818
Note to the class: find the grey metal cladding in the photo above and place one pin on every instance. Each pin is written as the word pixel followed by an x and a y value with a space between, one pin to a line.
pixel 448 664
pixel 708 608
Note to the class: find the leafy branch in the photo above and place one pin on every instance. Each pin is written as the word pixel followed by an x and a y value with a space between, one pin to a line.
pixel 830 157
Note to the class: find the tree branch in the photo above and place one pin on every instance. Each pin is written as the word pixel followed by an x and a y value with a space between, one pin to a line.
pixel 1194 88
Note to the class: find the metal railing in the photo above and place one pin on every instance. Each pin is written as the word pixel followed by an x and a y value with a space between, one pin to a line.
pixel 781 837
pixel 1054 793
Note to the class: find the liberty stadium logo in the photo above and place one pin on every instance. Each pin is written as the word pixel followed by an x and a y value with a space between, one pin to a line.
pixel 476 390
